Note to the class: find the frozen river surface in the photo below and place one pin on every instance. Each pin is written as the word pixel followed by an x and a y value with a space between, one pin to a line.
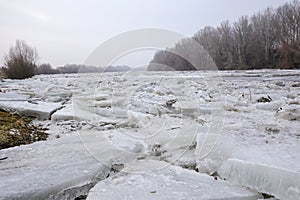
pixel 156 135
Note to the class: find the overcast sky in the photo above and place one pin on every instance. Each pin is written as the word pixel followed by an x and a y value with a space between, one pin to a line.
pixel 67 31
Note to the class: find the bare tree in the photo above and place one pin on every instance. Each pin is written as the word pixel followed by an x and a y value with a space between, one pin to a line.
pixel 21 61
pixel 267 39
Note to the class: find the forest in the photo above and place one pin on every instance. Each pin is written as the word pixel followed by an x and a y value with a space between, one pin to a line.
pixel 267 39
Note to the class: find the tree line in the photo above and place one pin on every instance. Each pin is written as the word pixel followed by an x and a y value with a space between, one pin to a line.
pixel 78 68
pixel 267 39
pixel 21 63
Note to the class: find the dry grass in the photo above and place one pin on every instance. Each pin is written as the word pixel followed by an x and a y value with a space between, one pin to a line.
pixel 16 130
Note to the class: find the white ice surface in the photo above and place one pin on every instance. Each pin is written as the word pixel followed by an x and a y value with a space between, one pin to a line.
pixel 39 109
pixel 159 180
pixel 10 96
pixel 42 169
pixel 130 112
pixel 258 144
pixel 46 168
pixel 273 170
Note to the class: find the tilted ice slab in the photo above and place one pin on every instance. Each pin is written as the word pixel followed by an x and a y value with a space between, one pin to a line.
pixel 159 180
pixel 41 110
pixel 13 97
pixel 212 150
pixel 55 168
pixel 273 170
pixel 89 109
pixel 64 114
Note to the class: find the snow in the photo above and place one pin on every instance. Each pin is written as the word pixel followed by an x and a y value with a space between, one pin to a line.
pixel 168 182
pixel 216 126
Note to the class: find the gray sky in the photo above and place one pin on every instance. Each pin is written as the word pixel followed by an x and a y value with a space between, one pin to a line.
pixel 67 31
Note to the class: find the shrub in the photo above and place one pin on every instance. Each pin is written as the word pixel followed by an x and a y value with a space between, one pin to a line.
pixel 20 63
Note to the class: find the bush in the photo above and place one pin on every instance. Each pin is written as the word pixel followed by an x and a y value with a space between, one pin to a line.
pixel 20 63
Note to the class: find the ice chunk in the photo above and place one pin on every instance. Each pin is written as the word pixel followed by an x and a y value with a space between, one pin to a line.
pixel 271 106
pixel 274 171
pixel 110 146
pixel 136 119
pixel 111 102
pixel 121 140
pixel 211 150
pixel 188 107
pixel 279 182
pixel 46 168
pixel 41 110
pixel 292 113
pixel 64 114
pixel 13 97
pixel 72 112
pixel 159 180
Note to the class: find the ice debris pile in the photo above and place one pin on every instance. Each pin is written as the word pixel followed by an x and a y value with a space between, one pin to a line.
pixel 156 134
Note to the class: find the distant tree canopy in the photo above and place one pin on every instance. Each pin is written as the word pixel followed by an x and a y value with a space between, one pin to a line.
pixel 268 39
pixel 73 68
pixel 46 68
pixel 187 55
pixel 21 61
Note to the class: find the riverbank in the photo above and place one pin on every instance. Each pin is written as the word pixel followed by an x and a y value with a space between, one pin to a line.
pixel 16 130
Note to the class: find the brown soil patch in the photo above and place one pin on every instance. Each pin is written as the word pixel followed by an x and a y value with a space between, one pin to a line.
pixel 16 130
